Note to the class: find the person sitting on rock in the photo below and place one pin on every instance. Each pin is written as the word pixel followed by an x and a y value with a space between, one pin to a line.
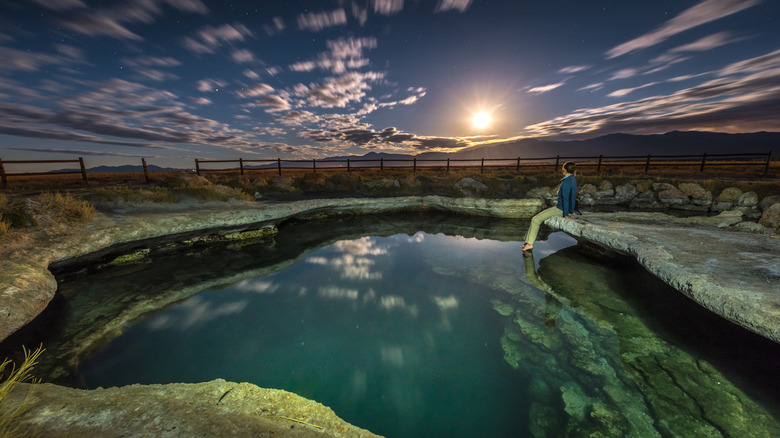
pixel 567 199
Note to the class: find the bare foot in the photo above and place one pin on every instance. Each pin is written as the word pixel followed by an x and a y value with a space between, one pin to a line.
pixel 528 247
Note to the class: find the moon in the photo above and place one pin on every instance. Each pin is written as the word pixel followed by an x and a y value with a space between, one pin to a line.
pixel 481 120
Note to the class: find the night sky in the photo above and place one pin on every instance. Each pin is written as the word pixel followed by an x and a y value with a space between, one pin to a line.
pixel 172 80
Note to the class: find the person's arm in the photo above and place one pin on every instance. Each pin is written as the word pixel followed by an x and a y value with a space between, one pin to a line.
pixel 569 196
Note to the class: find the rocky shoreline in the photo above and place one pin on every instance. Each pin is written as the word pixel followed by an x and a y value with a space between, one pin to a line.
pixel 27 285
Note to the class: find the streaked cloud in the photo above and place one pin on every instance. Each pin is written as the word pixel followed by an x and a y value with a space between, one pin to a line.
pixel 448 5
pixel 745 96
pixel 316 21
pixel 697 15
pixel 574 69
pixel 387 7
pixel 545 88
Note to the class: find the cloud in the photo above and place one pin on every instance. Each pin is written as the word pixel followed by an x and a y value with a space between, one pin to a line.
pixel 626 91
pixel 209 85
pixel 12 59
pixel 592 87
pixel 701 13
pixel 81 152
pixel 242 56
pixel 574 69
pixel 360 13
pixel 118 112
pixel 339 91
pixel 211 38
pixel 298 118
pixel 260 89
pixel 707 43
pixel 111 21
pixel 343 54
pixel 274 103
pixel 387 7
pixel 386 139
pixel 545 88
pixel 448 5
pixel 744 96
pixel 61 5
pixel 316 21
pixel 624 74
pixel 200 101
pixel 760 63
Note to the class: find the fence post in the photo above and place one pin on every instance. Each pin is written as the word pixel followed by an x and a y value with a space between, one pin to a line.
pixel 241 165
pixel 2 174
pixel 766 168
pixel 598 169
pixel 314 165
pixel 647 164
pixel 414 165
pixel 703 160
pixel 381 164
pixel 197 167
pixel 448 165
pixel 557 163
pixel 83 171
pixel 349 169
pixel 146 170
pixel 518 164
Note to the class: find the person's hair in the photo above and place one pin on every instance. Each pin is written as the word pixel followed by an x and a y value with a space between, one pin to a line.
pixel 570 166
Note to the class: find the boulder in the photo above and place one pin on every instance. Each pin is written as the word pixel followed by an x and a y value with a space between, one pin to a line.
pixel 605 186
pixel 673 197
pixel 585 194
pixel 768 202
pixel 748 204
pixel 625 192
pixel 542 193
pixel 747 199
pixel 726 199
pixel 471 187
pixel 770 218
pixel 729 194
pixel 643 185
pixel 660 187
pixel 697 194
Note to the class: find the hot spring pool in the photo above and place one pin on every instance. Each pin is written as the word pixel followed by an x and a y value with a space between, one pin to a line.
pixel 431 328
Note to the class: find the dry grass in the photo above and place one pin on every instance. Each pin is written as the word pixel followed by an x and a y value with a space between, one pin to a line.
pixel 9 420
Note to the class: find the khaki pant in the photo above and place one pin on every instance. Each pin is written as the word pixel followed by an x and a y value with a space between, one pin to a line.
pixel 537 220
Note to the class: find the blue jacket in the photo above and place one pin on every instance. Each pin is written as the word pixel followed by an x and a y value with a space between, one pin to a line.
pixel 567 195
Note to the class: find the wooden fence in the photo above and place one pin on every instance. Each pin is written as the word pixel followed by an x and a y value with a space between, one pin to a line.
pixel 83 170
pixel 599 162
pixel 4 176
pixel 746 159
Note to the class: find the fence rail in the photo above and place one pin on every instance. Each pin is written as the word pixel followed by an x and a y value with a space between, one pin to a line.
pixel 600 161
pixel 703 160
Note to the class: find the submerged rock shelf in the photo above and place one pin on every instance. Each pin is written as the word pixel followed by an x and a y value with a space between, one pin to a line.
pixel 734 274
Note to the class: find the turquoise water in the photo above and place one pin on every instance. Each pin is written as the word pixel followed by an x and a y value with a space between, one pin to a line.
pixel 421 325
pixel 365 326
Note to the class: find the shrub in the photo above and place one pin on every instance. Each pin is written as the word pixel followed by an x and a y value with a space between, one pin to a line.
pixel 9 421
pixel 66 208
pixel 4 227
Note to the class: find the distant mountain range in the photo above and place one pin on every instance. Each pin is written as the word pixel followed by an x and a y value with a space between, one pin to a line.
pixel 671 143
